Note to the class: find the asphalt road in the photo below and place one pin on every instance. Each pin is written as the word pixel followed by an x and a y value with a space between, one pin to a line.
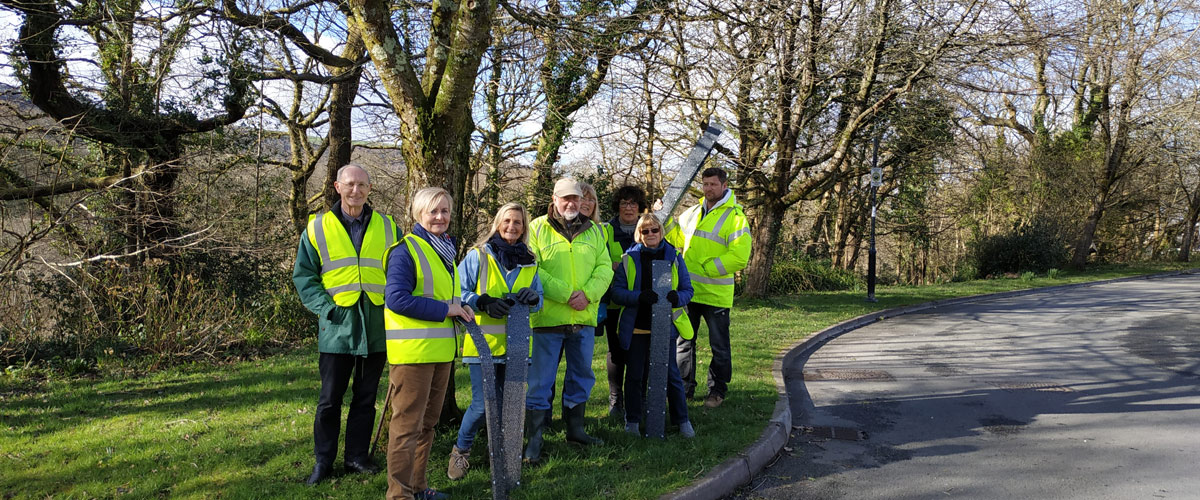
pixel 1090 392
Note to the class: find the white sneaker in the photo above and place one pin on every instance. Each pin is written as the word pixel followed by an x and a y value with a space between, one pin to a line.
pixel 686 430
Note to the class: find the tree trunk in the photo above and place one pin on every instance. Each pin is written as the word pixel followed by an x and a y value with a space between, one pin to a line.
pixel 554 132
pixel 1189 227
pixel 341 104
pixel 766 236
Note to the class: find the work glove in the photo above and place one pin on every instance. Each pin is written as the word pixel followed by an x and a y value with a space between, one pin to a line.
pixel 527 296
pixel 673 298
pixel 496 308
pixel 647 297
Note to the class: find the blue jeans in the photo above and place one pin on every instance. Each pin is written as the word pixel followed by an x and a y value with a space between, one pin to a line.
pixel 577 384
pixel 473 419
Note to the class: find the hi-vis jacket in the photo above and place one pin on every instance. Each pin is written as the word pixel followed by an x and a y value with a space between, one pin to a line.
pixel 715 245
pixel 411 340
pixel 347 273
pixel 565 266
pixel 626 289
pixel 485 276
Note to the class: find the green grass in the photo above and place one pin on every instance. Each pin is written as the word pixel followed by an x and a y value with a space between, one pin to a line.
pixel 244 430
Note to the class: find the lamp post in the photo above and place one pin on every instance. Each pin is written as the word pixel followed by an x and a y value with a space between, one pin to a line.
pixel 876 181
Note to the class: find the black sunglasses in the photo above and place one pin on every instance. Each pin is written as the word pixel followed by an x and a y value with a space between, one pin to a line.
pixel 653 230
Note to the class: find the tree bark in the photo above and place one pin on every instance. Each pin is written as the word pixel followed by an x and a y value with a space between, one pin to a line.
pixel 766 230
pixel 1189 227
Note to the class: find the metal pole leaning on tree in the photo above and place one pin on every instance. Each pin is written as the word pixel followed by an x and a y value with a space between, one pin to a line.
pixel 689 169
pixel 660 349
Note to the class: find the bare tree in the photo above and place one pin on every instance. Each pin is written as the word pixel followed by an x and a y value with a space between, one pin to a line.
pixel 129 107
pixel 807 79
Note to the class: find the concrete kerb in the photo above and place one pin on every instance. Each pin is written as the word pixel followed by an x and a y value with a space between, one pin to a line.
pixel 738 471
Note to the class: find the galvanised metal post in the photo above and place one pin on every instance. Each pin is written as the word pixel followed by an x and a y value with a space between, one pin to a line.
pixel 876 181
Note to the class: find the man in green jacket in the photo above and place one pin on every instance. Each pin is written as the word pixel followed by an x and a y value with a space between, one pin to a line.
pixel 575 270
pixel 339 275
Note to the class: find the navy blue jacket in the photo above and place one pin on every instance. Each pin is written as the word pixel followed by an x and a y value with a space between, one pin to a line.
pixel 621 295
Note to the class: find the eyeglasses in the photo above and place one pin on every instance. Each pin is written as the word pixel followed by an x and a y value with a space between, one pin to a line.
pixel 653 230
pixel 633 204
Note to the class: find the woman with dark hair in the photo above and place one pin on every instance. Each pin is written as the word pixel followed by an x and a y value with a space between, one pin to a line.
pixel 627 204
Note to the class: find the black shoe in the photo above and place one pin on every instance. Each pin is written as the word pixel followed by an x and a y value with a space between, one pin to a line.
pixel 575 426
pixel 361 466
pixel 319 473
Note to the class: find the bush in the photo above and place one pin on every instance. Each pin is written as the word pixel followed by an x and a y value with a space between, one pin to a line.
pixel 157 313
pixel 1037 247
pixel 797 275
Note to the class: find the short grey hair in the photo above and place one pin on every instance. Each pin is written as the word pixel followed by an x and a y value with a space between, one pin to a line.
pixel 352 165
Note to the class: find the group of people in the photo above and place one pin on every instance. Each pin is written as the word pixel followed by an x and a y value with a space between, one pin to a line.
pixel 380 295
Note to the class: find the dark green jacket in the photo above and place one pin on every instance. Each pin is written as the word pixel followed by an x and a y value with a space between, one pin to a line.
pixel 354 330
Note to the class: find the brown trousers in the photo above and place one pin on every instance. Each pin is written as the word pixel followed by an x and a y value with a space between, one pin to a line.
pixel 418 392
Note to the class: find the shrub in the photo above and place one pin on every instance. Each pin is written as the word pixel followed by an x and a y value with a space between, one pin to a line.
pixel 156 313
pixel 1036 247
pixel 800 274
pixel 1054 274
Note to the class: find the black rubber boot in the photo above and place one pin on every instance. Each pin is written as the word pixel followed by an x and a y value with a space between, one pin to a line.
pixel 575 427
pixel 535 422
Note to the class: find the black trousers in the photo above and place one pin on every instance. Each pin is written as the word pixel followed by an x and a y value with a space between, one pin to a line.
pixel 721 368
pixel 337 370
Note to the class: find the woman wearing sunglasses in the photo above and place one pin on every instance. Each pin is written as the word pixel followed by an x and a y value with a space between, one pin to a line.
pixel 632 288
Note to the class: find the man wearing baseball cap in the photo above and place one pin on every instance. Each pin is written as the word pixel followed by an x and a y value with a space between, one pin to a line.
pixel 575 270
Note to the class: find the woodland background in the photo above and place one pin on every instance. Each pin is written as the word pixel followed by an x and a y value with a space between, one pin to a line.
pixel 158 160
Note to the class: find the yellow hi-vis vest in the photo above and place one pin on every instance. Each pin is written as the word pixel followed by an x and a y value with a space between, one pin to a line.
pixel 715 246
pixel 410 340
pixel 678 314
pixel 346 273
pixel 491 281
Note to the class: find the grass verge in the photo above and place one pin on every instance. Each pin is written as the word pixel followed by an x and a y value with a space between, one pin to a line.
pixel 244 430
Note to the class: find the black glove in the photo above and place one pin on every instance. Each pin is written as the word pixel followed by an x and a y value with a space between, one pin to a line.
pixel 647 297
pixel 527 296
pixel 673 298
pixel 494 307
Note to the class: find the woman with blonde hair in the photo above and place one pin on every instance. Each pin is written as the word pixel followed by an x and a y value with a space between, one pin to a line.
pixel 632 288
pixel 589 205
pixel 499 271
pixel 422 298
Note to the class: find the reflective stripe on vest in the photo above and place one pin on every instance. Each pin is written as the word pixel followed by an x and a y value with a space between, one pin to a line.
pixel 679 315
pixel 411 340
pixel 491 281
pixel 703 245
pixel 346 272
